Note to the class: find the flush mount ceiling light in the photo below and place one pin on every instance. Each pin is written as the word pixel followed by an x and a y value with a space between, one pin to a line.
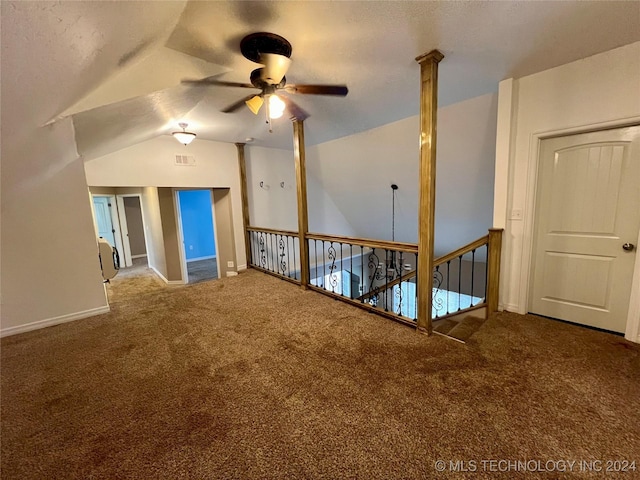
pixel 184 137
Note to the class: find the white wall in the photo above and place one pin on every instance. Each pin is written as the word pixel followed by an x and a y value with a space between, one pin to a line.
pixel 357 171
pixel 153 230
pixel 596 92
pixel 50 267
pixel 152 164
pixel 273 206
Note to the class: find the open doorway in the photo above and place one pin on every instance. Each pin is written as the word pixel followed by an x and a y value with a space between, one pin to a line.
pixel 106 220
pixel 196 219
pixel 132 228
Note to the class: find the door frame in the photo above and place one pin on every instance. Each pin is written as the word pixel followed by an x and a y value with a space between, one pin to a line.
pixel 115 221
pixel 182 249
pixel 632 331
pixel 124 228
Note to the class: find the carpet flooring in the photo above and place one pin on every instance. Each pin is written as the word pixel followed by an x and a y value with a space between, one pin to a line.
pixel 202 270
pixel 249 377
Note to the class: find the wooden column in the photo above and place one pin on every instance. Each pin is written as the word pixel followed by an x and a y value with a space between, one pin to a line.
pixel 245 200
pixel 301 183
pixel 493 269
pixel 427 203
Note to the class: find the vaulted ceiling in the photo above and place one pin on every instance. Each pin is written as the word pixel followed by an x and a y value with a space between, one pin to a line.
pixel 115 67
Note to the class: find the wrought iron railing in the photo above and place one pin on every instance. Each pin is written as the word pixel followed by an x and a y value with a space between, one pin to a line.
pixel 276 252
pixel 372 274
pixel 460 280
pixel 380 276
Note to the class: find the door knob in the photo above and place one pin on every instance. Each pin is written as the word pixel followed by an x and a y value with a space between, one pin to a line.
pixel 627 247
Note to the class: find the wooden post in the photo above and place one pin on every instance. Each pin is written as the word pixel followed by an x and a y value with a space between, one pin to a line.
pixel 301 183
pixel 245 201
pixel 427 203
pixel 493 269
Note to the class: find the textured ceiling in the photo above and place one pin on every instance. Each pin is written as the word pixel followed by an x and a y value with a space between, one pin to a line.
pixel 54 55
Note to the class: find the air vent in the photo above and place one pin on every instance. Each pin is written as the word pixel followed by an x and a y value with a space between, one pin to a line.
pixel 185 160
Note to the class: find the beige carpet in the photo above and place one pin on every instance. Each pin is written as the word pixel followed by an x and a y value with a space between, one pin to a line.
pixel 249 377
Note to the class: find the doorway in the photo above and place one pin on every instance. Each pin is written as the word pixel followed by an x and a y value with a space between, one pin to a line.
pixel 196 218
pixel 587 224
pixel 106 220
pixel 134 241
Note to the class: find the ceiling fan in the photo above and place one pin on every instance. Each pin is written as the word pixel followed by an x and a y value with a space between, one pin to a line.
pixel 273 52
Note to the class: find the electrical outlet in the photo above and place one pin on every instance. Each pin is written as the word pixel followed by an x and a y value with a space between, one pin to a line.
pixel 229 264
pixel 190 247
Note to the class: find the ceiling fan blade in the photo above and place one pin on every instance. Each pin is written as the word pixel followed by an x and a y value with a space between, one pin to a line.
pixel 237 105
pixel 338 90
pixel 213 81
pixel 275 67
pixel 294 109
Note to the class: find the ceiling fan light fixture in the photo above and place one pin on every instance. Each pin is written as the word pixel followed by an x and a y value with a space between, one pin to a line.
pixel 254 104
pixel 276 106
pixel 184 137
pixel 275 67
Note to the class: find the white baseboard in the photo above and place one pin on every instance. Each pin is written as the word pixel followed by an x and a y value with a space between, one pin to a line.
pixel 232 274
pixel 139 256
pixel 242 267
pixel 48 322
pixel 164 279
pixel 201 258
pixel 511 308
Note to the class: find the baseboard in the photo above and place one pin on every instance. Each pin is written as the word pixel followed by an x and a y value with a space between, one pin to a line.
pixel 49 322
pixel 139 256
pixel 201 258
pixel 164 279
pixel 242 267
pixel 510 308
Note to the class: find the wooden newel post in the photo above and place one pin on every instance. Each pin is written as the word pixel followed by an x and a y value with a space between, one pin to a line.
pixel 301 183
pixel 242 166
pixel 427 203
pixel 493 266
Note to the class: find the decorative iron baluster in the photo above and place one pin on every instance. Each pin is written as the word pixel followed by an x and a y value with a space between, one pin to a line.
pixel 459 280
pixel 374 264
pixel 324 265
pixel 341 270
pixel 263 257
pixel 333 278
pixel 437 283
pixel 448 277
pixel 473 268
pixel 283 264
pixel 351 271
pixel 361 283
pixel 399 290
pixel 288 258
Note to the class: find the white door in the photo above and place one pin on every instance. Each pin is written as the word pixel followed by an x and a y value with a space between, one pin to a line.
pixel 102 208
pixel 587 220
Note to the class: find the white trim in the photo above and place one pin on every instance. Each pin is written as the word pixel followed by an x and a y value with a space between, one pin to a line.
pixel 529 206
pixel 242 267
pixel 139 256
pixel 633 316
pixel 509 307
pixel 164 279
pixel 504 143
pixel 48 322
pixel 182 253
pixel 124 230
pixel 207 257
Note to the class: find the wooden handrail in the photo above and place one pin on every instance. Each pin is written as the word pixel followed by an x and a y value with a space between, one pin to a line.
pixel 272 230
pixel 386 286
pixel 461 251
pixel 366 242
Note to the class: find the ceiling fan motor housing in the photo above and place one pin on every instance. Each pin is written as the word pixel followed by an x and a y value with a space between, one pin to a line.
pixel 253 45
pixel 257 80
